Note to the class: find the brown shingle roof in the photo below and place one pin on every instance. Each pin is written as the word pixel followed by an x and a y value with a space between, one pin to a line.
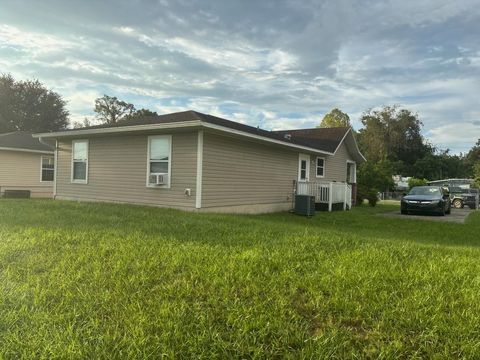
pixel 325 140
pixel 23 140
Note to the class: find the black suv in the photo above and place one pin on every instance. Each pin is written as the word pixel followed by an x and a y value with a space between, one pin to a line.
pixel 461 197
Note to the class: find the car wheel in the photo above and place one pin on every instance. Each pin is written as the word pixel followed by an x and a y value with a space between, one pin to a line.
pixel 457 204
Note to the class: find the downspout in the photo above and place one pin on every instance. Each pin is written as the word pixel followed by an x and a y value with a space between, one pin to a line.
pixel 55 160
pixel 55 164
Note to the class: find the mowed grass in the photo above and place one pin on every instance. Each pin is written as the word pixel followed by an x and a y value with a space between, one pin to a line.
pixel 80 280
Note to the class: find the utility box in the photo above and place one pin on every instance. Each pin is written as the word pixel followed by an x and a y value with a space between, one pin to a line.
pixel 305 205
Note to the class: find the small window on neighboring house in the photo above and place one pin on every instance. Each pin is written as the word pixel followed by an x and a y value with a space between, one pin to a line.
pixel 159 161
pixel 48 168
pixel 80 161
pixel 320 167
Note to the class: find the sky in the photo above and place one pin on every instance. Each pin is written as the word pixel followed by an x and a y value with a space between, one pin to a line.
pixel 277 64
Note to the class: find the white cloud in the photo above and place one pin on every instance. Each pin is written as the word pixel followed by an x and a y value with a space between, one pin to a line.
pixel 456 135
pixel 36 42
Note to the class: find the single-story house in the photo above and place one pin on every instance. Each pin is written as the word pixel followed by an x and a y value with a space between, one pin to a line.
pixel 26 166
pixel 193 161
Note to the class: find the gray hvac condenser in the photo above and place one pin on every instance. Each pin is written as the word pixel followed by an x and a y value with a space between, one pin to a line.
pixel 305 205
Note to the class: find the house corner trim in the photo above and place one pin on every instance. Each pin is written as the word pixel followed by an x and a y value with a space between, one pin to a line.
pixel 198 192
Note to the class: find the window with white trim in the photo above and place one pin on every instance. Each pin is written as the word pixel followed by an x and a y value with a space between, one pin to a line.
pixel 48 168
pixel 80 161
pixel 159 161
pixel 320 167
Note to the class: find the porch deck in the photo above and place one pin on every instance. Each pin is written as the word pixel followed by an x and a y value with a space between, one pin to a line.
pixel 326 192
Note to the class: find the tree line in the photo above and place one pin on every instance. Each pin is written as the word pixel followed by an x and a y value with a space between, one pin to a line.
pixel 390 138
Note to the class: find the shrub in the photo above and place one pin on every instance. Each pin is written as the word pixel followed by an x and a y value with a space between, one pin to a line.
pixel 412 182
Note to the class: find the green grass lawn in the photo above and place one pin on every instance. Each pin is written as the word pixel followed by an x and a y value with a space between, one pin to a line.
pixel 81 280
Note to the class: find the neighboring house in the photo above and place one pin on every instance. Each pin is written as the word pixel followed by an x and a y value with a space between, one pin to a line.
pixel 401 182
pixel 193 161
pixel 26 165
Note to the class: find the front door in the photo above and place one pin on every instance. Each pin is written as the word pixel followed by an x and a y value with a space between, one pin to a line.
pixel 351 172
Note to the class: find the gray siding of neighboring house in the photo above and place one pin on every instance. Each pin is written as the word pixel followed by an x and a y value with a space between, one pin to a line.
pixel 240 173
pixel 335 166
pixel 118 169
pixel 22 171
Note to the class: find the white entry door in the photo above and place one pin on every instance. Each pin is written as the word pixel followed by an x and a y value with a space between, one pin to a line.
pixel 303 174
pixel 303 168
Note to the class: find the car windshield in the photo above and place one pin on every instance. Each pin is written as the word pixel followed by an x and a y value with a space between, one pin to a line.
pixel 425 190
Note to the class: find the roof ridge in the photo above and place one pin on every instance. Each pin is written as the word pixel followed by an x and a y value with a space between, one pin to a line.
pixel 316 128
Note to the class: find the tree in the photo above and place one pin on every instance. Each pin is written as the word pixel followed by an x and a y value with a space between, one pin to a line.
pixel 476 174
pixel 373 178
pixel 85 123
pixel 393 134
pixel 29 106
pixel 110 110
pixel 138 114
pixel 335 118
pixel 472 157
pixel 412 182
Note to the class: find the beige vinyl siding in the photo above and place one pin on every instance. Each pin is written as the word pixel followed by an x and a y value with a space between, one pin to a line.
pixel 335 166
pixel 117 171
pixel 240 172
pixel 21 171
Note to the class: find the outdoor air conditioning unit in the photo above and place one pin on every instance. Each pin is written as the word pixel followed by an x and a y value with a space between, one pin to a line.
pixel 158 179
pixel 305 205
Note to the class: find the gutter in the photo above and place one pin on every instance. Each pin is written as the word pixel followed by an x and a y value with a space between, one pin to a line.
pixel 27 150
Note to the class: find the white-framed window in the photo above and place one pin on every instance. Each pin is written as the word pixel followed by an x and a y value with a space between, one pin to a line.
pixel 47 171
pixel 320 166
pixel 80 161
pixel 159 162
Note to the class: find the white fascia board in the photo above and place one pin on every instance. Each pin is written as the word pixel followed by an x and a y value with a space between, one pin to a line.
pixel 120 129
pixel 266 139
pixel 27 150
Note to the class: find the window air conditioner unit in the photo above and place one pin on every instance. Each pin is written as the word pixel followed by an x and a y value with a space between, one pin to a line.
pixel 158 179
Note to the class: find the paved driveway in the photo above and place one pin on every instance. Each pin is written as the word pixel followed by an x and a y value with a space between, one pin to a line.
pixel 457 216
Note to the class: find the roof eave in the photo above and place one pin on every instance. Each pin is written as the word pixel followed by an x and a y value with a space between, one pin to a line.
pixel 350 130
pixel 176 125
pixel 3 148
pixel 120 129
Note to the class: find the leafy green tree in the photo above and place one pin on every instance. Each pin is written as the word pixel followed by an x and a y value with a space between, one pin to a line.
pixel 138 114
pixel 393 134
pixel 85 123
pixel 335 118
pixel 29 106
pixel 373 178
pixel 110 110
pixel 476 174
pixel 472 157
pixel 412 182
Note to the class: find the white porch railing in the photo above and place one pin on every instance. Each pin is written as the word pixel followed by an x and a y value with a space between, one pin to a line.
pixel 327 192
